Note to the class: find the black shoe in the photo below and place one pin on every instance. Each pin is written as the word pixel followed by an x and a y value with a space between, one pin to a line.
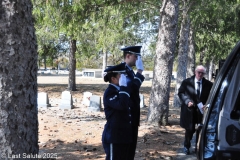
pixel 186 151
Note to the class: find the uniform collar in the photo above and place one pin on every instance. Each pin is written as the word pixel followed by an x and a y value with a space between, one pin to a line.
pixel 130 68
pixel 118 88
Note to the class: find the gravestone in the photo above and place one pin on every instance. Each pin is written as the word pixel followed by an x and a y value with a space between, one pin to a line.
pixel 141 100
pixel 86 98
pixel 147 78
pixel 95 103
pixel 151 75
pixel 43 100
pixel 66 100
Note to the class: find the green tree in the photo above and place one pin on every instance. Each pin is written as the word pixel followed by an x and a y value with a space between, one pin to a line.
pixel 66 17
pixel 215 24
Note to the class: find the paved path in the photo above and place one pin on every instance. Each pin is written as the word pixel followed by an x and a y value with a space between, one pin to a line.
pixel 63 79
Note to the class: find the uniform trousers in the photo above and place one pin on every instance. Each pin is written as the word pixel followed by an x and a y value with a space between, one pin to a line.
pixel 116 151
pixel 133 145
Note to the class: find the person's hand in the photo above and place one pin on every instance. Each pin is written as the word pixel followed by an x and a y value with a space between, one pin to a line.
pixel 204 107
pixel 190 104
pixel 139 63
pixel 123 80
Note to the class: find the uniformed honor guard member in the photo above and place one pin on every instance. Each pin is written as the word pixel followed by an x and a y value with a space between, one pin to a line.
pixel 132 58
pixel 117 133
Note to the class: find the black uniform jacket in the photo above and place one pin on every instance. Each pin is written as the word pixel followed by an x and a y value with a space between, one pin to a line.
pixel 118 128
pixel 134 84
pixel 191 115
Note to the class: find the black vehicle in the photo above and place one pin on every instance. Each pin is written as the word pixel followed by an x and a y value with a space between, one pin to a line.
pixel 219 135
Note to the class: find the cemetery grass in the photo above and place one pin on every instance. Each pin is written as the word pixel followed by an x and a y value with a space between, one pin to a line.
pixel 76 134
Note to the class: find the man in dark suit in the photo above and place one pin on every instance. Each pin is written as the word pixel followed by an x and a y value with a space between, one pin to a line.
pixel 193 93
pixel 132 58
pixel 117 133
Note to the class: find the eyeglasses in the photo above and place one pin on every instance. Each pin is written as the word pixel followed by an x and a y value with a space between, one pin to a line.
pixel 200 72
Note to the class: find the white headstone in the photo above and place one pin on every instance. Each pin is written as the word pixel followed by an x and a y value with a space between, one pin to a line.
pixel 86 98
pixel 146 77
pixel 66 100
pixel 43 100
pixel 141 100
pixel 95 103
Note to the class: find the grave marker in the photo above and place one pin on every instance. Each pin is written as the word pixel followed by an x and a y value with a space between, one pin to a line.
pixel 43 100
pixel 66 100
pixel 95 103
pixel 141 100
pixel 86 98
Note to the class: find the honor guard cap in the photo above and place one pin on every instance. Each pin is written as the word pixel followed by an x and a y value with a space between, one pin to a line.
pixel 120 68
pixel 132 50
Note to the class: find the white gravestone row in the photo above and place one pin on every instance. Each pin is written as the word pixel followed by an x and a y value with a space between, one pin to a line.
pixel 93 102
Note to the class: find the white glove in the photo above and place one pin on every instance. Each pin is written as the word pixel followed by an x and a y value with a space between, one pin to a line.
pixel 139 63
pixel 123 80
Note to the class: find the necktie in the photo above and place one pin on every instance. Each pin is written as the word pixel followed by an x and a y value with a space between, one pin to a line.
pixel 198 89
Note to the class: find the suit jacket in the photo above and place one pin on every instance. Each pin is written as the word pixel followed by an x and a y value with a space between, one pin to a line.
pixel 191 115
pixel 118 128
pixel 134 84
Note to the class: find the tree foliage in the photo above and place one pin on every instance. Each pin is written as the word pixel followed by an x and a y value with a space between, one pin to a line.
pixel 216 28
pixel 103 27
pixel 99 25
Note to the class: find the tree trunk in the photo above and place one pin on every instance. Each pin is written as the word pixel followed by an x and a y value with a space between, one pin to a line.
pixel 72 66
pixel 207 65
pixel 166 44
pixel 18 79
pixel 39 63
pixel 45 61
pixel 45 56
pixel 104 60
pixel 52 63
pixel 202 56
pixel 211 69
pixel 182 55
pixel 191 54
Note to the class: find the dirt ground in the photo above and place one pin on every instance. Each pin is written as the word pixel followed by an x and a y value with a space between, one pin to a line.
pixel 76 134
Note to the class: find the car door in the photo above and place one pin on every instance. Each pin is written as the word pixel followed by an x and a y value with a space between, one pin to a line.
pixel 219 137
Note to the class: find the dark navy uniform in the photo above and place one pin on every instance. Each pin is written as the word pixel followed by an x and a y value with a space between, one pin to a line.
pixel 117 133
pixel 134 83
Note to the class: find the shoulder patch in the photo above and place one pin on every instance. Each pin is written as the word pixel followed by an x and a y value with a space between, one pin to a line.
pixel 113 98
